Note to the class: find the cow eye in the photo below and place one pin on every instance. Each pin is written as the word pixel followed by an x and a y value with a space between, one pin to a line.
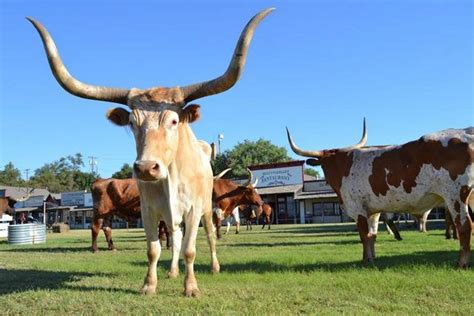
pixel 174 122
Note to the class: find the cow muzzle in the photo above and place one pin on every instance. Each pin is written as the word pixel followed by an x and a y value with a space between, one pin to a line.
pixel 148 170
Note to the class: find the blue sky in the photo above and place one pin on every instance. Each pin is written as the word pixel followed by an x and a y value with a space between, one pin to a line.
pixel 317 67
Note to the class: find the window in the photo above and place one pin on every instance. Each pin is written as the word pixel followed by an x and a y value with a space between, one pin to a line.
pixel 317 209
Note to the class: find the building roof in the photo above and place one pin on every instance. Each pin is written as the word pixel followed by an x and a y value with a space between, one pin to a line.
pixel 315 195
pixel 21 192
pixel 308 177
pixel 294 188
pixel 278 165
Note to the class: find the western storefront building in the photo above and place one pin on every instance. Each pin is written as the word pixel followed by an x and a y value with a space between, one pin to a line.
pixel 296 198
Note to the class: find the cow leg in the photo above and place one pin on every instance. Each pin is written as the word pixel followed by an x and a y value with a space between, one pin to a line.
pixel 228 227
pixel 107 228
pixel 95 228
pixel 391 227
pixel 373 223
pixel 237 222
pixel 218 222
pixel 268 218
pixel 365 237
pixel 464 227
pixel 177 237
pixel 189 246
pixel 208 227
pixel 237 225
pixel 153 252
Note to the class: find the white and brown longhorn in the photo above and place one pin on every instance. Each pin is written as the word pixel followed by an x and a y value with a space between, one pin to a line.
pixel 172 167
pixel 413 178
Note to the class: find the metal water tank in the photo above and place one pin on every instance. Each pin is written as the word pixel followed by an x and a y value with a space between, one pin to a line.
pixel 24 234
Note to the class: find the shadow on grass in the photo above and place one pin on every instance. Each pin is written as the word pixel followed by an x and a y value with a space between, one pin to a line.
pixel 434 259
pixel 61 249
pixel 15 281
pixel 293 244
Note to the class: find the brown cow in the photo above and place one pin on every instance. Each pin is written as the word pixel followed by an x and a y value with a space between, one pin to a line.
pixel 6 205
pixel 413 177
pixel 172 166
pixel 253 212
pixel 227 195
pixel 118 197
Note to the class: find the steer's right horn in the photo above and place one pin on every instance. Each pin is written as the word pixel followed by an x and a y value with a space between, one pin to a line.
pixel 320 153
pixel 235 68
pixel 220 175
pixel 68 82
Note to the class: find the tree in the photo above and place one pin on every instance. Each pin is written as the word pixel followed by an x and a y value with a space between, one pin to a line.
pixel 249 153
pixel 63 175
pixel 124 173
pixel 11 175
pixel 312 172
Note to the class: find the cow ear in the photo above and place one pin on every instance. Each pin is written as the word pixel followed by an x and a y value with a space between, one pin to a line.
pixel 118 116
pixel 190 113
pixel 313 162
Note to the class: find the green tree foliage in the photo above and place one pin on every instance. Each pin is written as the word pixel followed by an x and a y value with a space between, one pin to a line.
pixel 63 175
pixel 312 172
pixel 248 153
pixel 124 173
pixel 11 176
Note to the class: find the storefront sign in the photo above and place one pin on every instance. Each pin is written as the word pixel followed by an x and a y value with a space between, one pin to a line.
pixel 72 198
pixel 278 176
pixel 33 201
pixel 88 200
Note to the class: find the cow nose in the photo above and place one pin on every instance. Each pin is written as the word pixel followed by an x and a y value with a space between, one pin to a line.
pixel 147 170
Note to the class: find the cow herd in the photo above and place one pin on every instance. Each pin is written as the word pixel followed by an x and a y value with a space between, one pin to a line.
pixel 174 182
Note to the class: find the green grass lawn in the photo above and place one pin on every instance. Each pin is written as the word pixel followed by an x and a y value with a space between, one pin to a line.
pixel 291 269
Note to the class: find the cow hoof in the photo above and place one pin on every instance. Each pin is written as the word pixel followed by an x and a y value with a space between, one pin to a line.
pixel 216 268
pixel 147 290
pixel 236 232
pixel 95 250
pixel 113 249
pixel 192 292
pixel 173 274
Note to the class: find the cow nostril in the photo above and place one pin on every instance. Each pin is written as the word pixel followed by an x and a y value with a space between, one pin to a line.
pixel 136 167
pixel 156 167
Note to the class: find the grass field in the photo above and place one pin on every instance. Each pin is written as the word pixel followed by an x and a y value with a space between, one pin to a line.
pixel 292 269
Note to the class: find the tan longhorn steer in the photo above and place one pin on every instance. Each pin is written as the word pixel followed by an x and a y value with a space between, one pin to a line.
pixel 172 167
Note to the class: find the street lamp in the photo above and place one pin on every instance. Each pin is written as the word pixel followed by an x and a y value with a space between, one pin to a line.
pixel 220 137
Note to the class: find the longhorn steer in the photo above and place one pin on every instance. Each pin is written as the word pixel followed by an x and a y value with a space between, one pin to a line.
pixel 227 195
pixel 172 167
pixel 6 205
pixel 117 197
pixel 413 178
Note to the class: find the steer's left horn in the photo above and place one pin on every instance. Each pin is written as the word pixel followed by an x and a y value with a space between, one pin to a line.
pixel 68 82
pixel 236 66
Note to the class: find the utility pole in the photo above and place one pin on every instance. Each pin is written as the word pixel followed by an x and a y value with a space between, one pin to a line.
pixel 93 164
pixel 27 170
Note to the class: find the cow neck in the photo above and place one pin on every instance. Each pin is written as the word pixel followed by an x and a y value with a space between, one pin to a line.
pixel 227 195
pixel 336 165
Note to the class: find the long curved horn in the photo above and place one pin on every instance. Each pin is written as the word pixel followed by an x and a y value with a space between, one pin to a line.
pixel 68 82
pixel 236 66
pixel 301 152
pixel 318 153
pixel 220 175
pixel 249 180
pixel 254 184
pixel 362 141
